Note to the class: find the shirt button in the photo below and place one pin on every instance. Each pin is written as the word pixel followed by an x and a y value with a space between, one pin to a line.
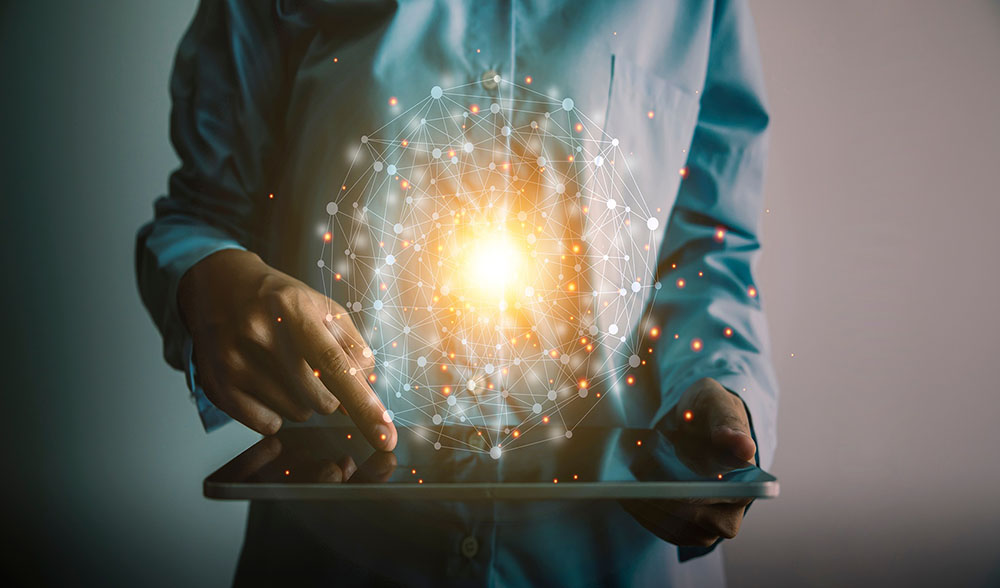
pixel 470 547
pixel 490 80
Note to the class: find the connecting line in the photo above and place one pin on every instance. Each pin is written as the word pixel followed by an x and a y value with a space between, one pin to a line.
pixel 498 254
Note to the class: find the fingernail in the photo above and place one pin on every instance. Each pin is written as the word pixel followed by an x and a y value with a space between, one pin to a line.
pixel 383 433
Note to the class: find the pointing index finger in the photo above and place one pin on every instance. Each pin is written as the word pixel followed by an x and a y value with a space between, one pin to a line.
pixel 340 374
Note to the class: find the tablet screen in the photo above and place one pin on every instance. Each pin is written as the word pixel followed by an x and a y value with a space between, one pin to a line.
pixel 461 463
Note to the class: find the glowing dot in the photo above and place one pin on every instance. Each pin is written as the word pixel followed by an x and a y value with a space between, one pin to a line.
pixel 271 196
pixel 527 80
pixel 404 143
pixel 638 443
pixel 728 332
pixel 288 472
pixel 654 332
pixel 688 415
pixel 720 234
pixel 393 101
pixel 630 380
pixel 555 480
pixel 720 476
pixel 348 435
pixel 383 437
pixel 516 433
pixel 680 282
pixel 696 344
pixel 752 292
pixel 474 109
pixel 327 236
pixel 683 172
pixel 545 419
pixel 279 319
pixel 578 127
pixel 316 373
pixel 650 114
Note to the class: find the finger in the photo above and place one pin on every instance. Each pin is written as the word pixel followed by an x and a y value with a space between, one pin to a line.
pixel 721 413
pixel 303 381
pixel 265 388
pixel 667 526
pixel 716 520
pixel 324 353
pixel 246 409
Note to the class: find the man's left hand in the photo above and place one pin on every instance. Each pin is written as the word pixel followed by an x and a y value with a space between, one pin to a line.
pixel 709 426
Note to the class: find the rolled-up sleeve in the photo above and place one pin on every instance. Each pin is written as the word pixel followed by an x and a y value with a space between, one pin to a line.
pixel 226 88
pixel 712 322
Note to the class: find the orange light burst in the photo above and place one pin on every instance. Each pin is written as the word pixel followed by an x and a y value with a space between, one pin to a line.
pixel 316 373
pixel 446 391
pixel 650 114
pixel 680 282
pixel 545 419
pixel 688 415
pixel 337 276
pixel 654 332
pixel 752 292
pixel 583 383
pixel 720 234
pixel 271 196
pixel 474 109
pixel 578 127
pixel 393 101
pixel 372 378
pixel 328 236
pixel 404 184
pixel 728 332
pixel 630 380
pixel 684 172
pixel 516 433
pixel 527 80
pixel 336 60
pixel 279 319
pixel 696 344
pixel 404 142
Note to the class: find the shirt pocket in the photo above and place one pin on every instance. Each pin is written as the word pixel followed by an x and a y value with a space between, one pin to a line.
pixel 654 122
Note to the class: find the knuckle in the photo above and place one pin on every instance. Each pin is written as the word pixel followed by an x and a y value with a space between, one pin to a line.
pixel 334 360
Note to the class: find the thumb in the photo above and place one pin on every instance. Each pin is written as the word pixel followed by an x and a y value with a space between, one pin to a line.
pixel 729 428
pixel 723 414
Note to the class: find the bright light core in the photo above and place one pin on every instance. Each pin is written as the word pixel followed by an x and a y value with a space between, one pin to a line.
pixel 492 263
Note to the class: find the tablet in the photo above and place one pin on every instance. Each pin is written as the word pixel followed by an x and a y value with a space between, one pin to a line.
pixel 336 463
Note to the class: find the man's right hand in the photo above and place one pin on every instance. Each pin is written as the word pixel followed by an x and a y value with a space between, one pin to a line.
pixel 267 347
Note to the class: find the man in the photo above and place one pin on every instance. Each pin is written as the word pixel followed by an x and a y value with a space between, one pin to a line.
pixel 270 97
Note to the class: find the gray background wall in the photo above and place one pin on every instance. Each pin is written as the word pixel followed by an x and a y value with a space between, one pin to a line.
pixel 880 275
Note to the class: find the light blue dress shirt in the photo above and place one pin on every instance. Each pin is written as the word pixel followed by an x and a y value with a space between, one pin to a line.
pixel 269 96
